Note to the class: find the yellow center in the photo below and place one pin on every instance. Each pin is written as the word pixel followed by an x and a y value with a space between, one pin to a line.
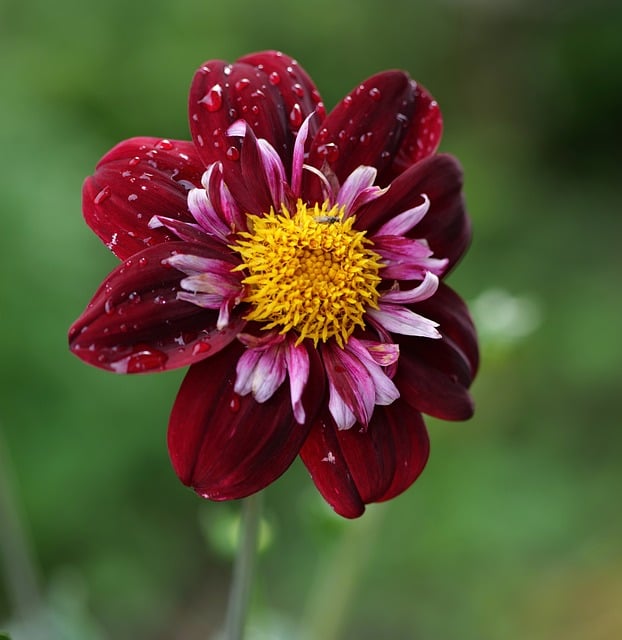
pixel 308 272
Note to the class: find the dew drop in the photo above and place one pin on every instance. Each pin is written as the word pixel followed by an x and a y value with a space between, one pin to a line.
pixel 200 140
pixel 134 297
pixel 146 360
pixel 212 100
pixel 375 94
pixel 233 114
pixel 347 101
pixel 142 262
pixel 322 134
pixel 315 94
pixel 298 90
pixel 201 348
pixel 366 137
pixel 133 161
pixel 295 116
pixel 104 194
pixel 274 78
pixel 165 144
pixel 159 300
pixel 330 151
pixel 233 153
pixel 242 84
pixel 109 306
pixel 234 403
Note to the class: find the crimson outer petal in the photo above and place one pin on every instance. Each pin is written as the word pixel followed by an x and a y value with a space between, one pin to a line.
pixel 445 226
pixel 433 376
pixel 227 446
pixel 365 128
pixel 352 468
pixel 299 93
pixel 135 324
pixel 423 135
pixel 222 93
pixel 135 180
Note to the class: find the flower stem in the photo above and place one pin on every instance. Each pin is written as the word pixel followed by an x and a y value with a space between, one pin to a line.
pixel 15 552
pixel 243 568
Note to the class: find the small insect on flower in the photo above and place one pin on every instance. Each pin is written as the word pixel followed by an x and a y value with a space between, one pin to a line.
pixel 299 272
pixel 327 219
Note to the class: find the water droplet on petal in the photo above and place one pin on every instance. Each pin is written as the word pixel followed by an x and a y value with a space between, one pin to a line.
pixel 109 307
pixel 134 297
pixel 212 100
pixel 165 144
pixel 146 360
pixel 298 90
pixel 234 403
pixel 142 262
pixel 201 348
pixel 375 94
pixel 322 134
pixel 366 137
pixel 132 197
pixel 233 153
pixel 330 151
pixel 104 194
pixel 133 161
pixel 295 116
pixel 274 78
pixel 315 94
pixel 159 300
pixel 242 84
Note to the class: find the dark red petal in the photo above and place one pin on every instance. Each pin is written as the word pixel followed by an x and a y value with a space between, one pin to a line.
pixel 450 311
pixel 322 456
pixel 137 179
pixel 352 468
pixel 227 446
pixel 135 324
pixel 299 93
pixel 248 182
pixel 422 136
pixel 366 127
pixel 433 376
pixel 222 93
pixel 446 225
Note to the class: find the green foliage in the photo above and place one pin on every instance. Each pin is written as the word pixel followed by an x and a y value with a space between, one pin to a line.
pixel 512 530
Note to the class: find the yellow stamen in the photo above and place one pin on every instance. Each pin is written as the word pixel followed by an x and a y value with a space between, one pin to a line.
pixel 309 272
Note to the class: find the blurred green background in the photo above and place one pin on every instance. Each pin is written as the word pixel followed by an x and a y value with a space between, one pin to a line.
pixel 514 529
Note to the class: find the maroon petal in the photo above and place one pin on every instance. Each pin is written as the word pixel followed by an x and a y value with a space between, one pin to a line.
pixel 135 323
pixel 227 446
pixel 352 468
pixel 366 127
pixel 299 93
pixel 433 376
pixel 422 136
pixel 137 179
pixel 446 225
pixel 222 93
pixel 453 316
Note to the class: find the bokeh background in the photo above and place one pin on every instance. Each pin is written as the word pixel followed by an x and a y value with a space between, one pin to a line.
pixel 514 529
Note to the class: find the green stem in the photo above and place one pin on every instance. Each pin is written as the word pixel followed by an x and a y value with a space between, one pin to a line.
pixel 338 577
pixel 15 555
pixel 239 593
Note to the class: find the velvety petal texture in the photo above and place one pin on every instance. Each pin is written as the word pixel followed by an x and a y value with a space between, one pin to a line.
pixel 134 181
pixel 354 467
pixel 295 261
pixel 225 445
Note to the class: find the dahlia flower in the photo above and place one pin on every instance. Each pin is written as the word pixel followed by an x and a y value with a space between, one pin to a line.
pixel 295 260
